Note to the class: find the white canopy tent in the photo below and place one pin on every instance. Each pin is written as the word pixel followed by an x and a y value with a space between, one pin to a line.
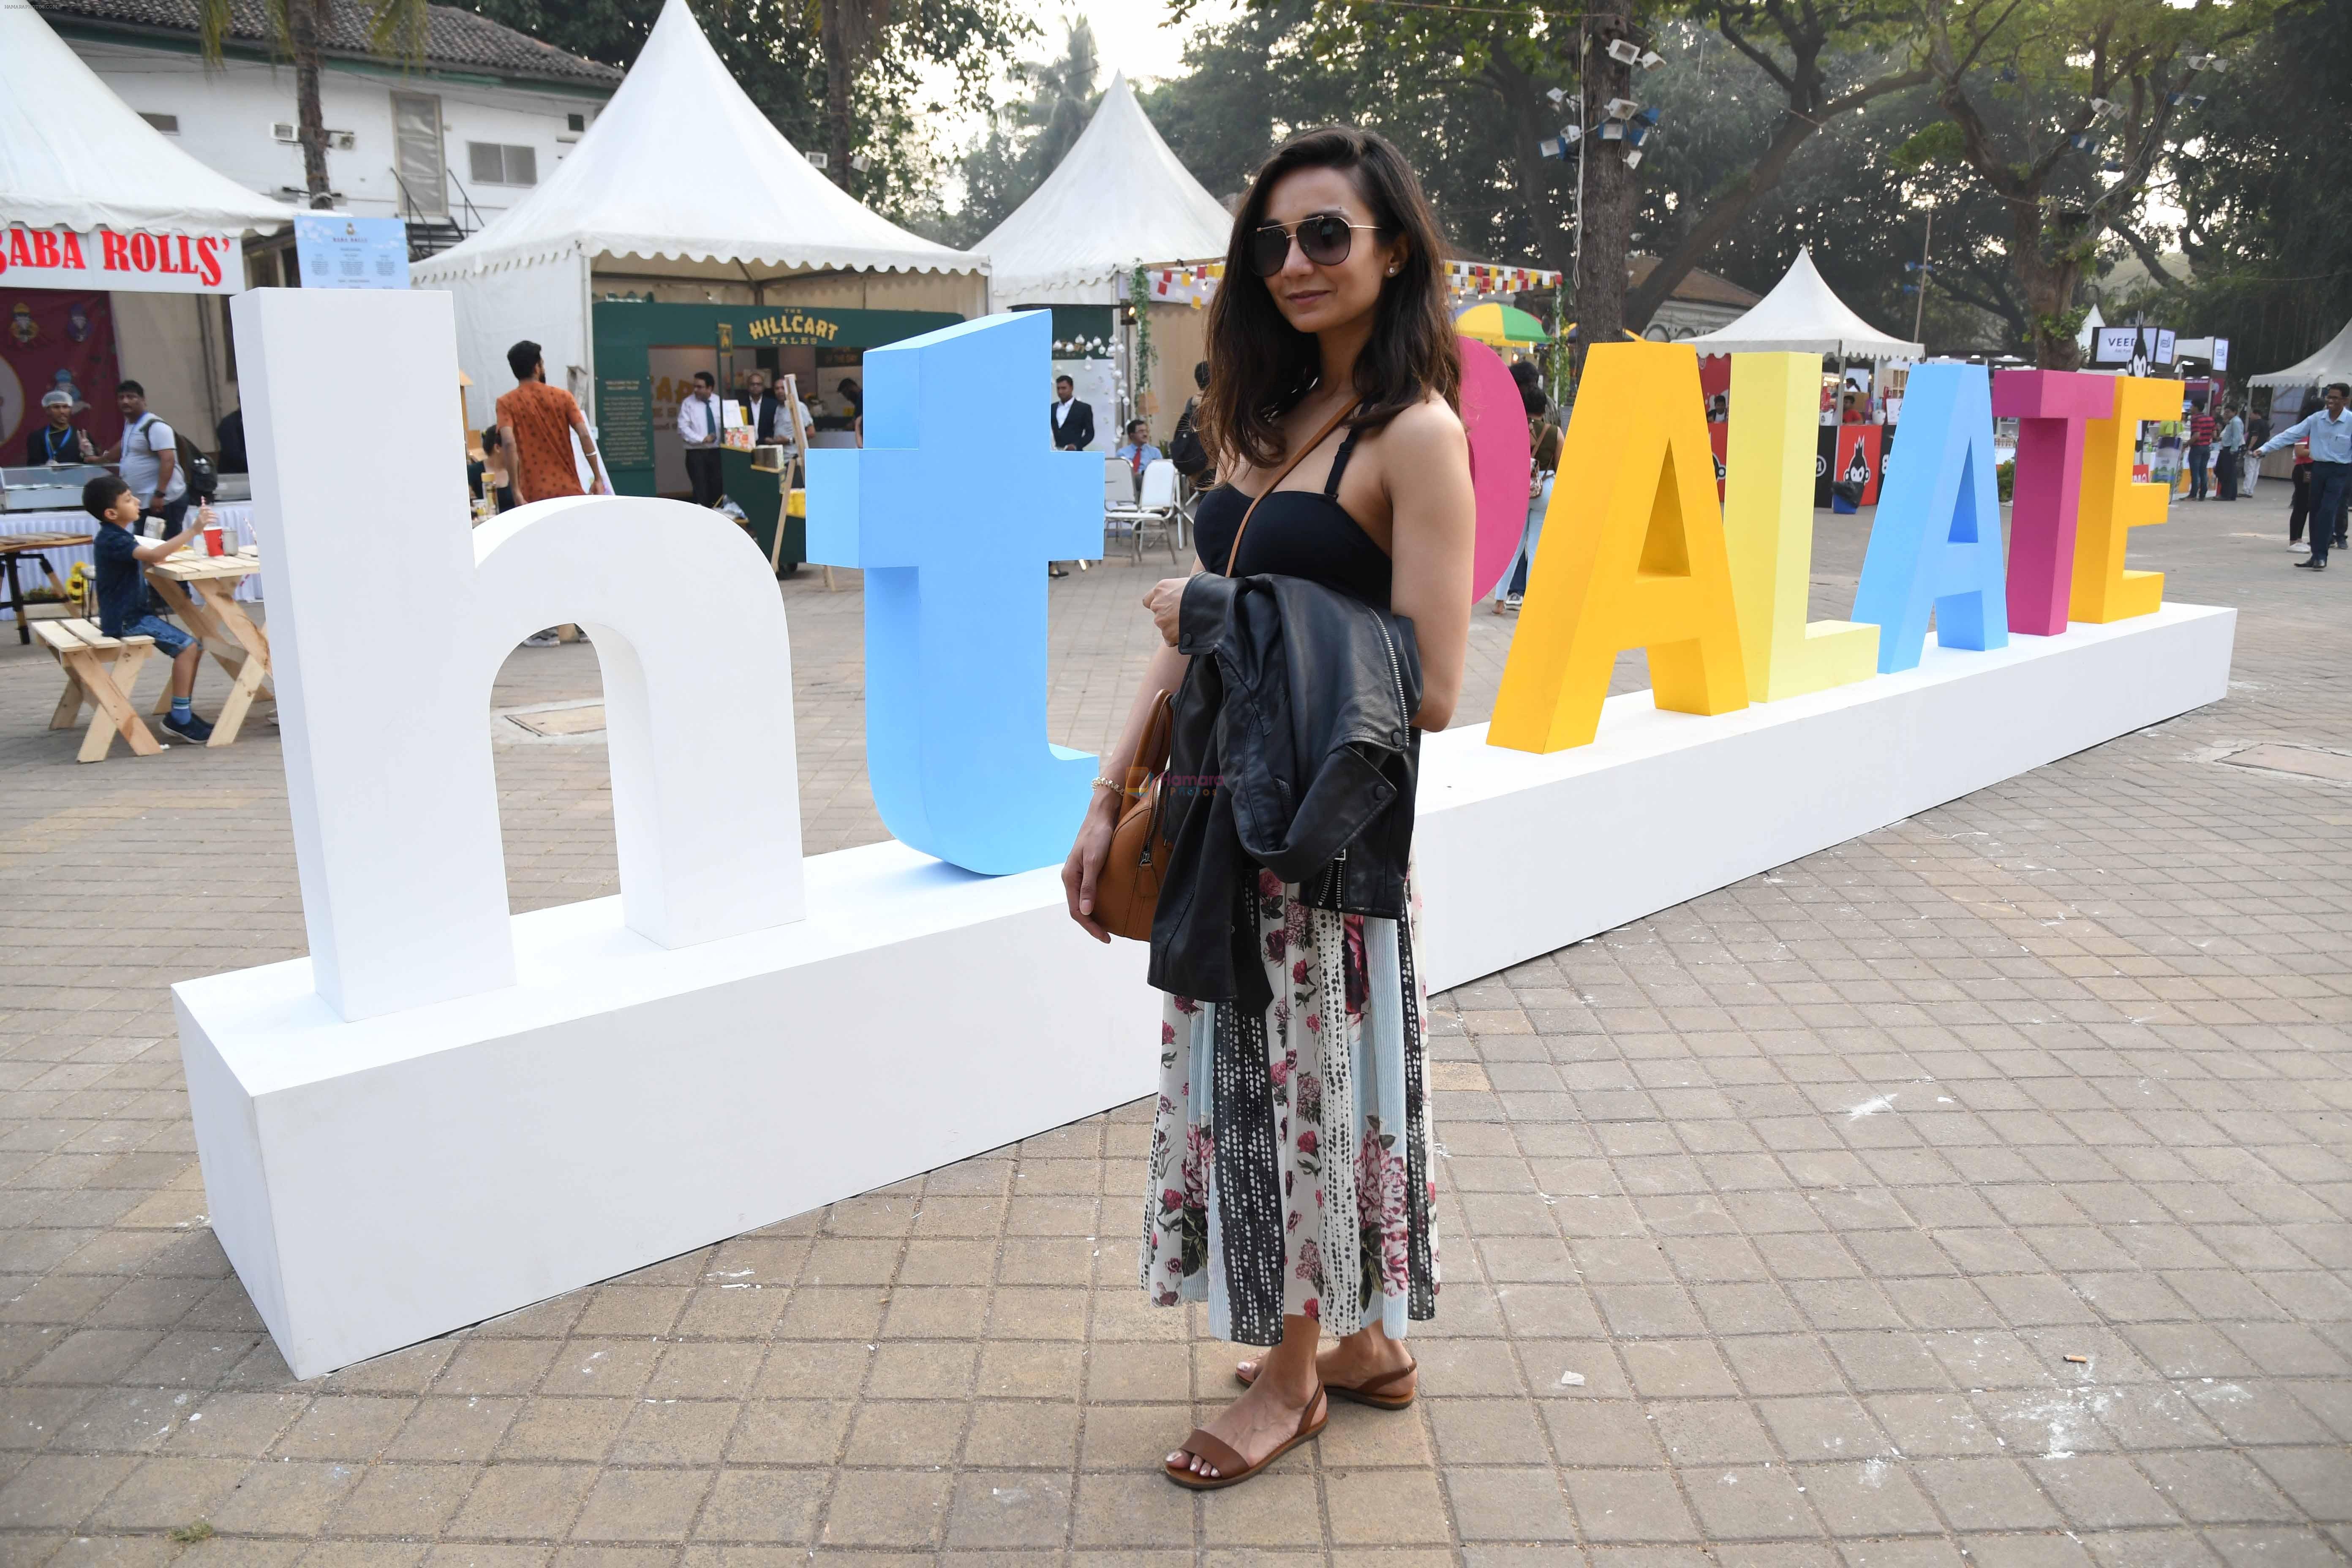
pixel 74 156
pixel 94 200
pixel 1801 316
pixel 1118 199
pixel 2333 362
pixel 680 184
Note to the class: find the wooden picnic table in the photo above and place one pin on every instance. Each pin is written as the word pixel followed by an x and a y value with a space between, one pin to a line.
pixel 201 591
pixel 14 546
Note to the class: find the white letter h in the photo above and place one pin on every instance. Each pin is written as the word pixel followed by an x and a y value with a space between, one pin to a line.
pixel 388 622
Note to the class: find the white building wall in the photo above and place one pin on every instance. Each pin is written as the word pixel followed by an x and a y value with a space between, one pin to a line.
pixel 225 115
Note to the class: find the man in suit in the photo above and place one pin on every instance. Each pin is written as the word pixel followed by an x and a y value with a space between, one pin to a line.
pixel 764 411
pixel 1073 422
pixel 701 428
pixel 1074 431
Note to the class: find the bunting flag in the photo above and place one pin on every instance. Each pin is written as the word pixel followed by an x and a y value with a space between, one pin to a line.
pixel 1195 283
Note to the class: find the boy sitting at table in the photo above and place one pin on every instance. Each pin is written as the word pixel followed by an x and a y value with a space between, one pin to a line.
pixel 122 608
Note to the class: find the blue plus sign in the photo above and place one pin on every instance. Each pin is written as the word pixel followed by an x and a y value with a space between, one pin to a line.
pixel 952 509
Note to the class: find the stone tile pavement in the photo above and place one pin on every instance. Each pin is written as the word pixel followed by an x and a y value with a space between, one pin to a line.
pixel 1977 1191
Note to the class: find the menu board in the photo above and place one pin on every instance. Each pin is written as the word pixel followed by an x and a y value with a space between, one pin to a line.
pixel 624 422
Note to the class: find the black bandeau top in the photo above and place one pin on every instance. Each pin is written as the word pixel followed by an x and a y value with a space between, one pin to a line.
pixel 1296 534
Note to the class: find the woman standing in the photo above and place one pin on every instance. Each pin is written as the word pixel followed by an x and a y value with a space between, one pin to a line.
pixel 1333 370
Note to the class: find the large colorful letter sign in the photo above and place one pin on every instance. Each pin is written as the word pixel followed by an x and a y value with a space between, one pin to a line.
pixel 2052 408
pixel 952 509
pixel 1632 556
pixel 1937 543
pixel 2113 506
pixel 394 804
pixel 1495 417
pixel 1768 529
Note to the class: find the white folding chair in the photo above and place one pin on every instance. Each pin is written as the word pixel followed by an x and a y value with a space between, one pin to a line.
pixel 1118 500
pixel 1156 508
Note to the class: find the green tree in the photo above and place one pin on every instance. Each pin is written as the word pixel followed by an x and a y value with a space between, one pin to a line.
pixel 2064 110
pixel 1026 139
pixel 2267 219
pixel 295 30
pixel 1467 91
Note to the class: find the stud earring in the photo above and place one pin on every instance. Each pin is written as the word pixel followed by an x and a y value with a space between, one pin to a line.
pixel 1392 271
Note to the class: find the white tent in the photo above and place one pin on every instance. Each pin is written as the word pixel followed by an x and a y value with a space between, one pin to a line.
pixel 73 156
pixel 2333 362
pixel 681 180
pixel 1801 316
pixel 2091 323
pixel 1119 198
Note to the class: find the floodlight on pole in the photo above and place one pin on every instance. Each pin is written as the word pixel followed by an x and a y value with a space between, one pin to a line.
pixel 1652 59
pixel 1557 95
pixel 1624 51
pixel 1620 108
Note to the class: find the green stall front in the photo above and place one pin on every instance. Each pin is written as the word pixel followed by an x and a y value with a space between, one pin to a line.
pixel 648 353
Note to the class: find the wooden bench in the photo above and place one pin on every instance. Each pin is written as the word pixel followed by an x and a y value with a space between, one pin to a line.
pixel 101 670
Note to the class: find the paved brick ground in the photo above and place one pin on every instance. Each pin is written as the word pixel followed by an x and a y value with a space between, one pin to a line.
pixel 1978 1189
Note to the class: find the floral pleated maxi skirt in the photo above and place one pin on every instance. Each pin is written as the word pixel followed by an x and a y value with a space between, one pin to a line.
pixel 1290 1169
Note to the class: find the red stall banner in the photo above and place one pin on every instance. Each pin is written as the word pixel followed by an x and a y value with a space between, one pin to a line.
pixel 51 341
pixel 162 261
pixel 1858 458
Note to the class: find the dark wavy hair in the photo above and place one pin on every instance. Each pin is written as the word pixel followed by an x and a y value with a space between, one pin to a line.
pixel 1261 367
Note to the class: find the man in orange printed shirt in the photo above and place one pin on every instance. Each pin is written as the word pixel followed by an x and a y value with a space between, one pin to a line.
pixel 536 424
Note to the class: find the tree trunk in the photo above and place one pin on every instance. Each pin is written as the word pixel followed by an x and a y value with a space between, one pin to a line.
pixel 302 34
pixel 838 68
pixel 1608 202
pixel 2045 260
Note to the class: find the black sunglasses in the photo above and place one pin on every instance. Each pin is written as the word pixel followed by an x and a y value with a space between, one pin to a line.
pixel 1326 238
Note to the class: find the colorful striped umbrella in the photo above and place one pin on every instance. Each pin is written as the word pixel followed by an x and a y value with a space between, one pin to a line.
pixel 1497 324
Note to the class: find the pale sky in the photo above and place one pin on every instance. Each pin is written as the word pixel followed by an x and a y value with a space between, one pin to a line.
pixel 1132 36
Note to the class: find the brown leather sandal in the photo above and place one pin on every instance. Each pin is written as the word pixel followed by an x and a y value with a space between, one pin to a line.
pixel 1365 1393
pixel 1202 1445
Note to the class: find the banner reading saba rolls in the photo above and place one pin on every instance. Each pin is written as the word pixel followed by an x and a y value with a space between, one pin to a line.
pixel 156 261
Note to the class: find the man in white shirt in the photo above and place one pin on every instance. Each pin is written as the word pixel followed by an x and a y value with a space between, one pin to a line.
pixel 699 425
pixel 149 454
pixel 2329 431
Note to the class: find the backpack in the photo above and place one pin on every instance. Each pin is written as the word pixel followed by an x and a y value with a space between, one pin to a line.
pixel 1186 450
pixel 203 479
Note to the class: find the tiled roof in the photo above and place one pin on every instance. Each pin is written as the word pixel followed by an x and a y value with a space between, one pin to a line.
pixel 454 39
pixel 1696 288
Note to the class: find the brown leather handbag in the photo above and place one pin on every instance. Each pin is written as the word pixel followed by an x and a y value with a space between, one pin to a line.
pixel 1127 891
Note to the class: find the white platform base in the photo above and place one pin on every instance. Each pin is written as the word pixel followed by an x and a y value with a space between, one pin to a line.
pixel 1521 855
pixel 378 1183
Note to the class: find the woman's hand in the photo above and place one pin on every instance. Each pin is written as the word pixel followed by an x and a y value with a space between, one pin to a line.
pixel 1083 871
pixel 1166 601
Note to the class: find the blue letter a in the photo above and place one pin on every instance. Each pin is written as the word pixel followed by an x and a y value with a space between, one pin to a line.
pixel 1937 540
pixel 952 509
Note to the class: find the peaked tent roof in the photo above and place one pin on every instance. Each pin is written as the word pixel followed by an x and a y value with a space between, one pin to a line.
pixel 1119 198
pixel 2333 362
pixel 626 191
pixel 72 154
pixel 1801 316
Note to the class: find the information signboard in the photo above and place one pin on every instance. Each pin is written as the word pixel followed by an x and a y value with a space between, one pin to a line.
pixel 339 251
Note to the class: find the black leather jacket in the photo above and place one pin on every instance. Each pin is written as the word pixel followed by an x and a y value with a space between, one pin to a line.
pixel 1293 750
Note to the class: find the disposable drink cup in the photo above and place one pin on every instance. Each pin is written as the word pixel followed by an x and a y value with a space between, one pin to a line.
pixel 212 539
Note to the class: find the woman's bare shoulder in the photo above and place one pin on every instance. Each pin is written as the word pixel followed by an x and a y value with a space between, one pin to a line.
pixel 1429 430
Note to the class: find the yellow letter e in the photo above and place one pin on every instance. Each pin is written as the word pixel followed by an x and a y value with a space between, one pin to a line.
pixel 1632 556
